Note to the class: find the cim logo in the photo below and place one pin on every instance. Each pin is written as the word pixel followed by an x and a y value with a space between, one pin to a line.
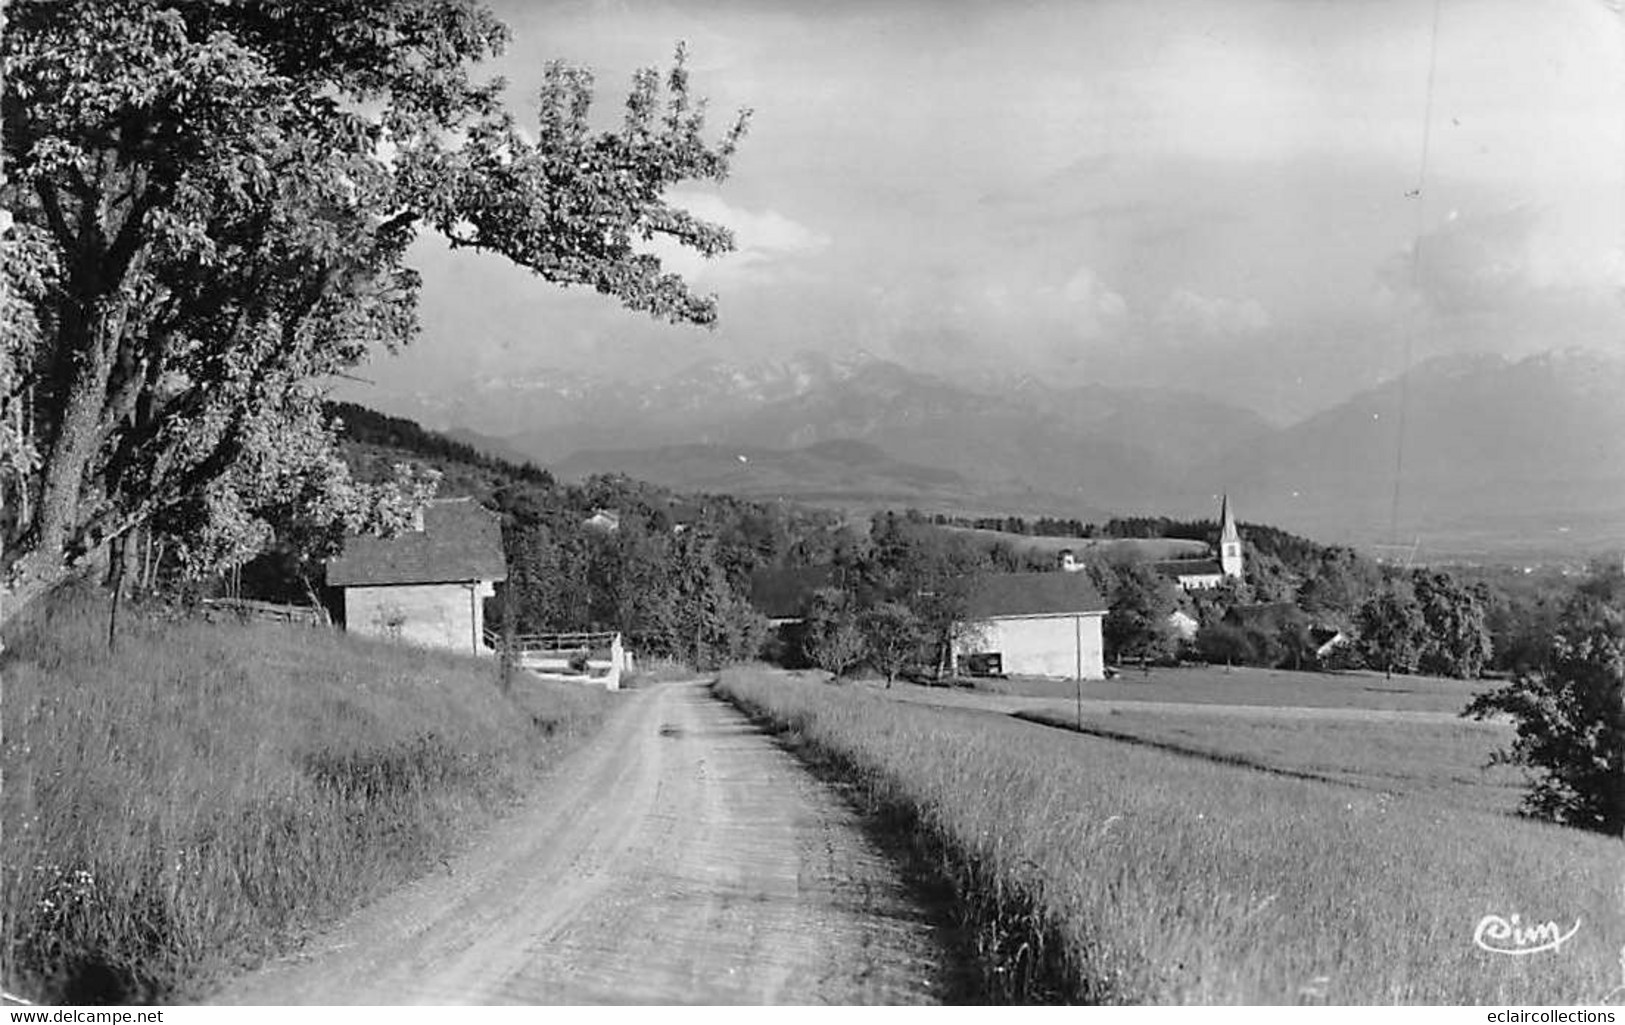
pixel 1508 936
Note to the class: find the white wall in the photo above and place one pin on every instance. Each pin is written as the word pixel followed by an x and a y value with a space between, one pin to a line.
pixel 1043 645
pixel 449 616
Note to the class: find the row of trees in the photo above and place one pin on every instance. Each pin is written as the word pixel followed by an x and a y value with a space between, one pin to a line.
pixel 901 598
pixel 673 576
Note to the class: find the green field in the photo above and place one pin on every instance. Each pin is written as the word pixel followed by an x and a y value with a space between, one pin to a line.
pixel 212 792
pixel 1246 685
pixel 1442 761
pixel 1101 870
pixel 1396 736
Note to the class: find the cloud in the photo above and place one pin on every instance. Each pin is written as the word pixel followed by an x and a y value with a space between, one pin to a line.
pixel 1089 306
pixel 1188 311
pixel 1510 257
pixel 761 239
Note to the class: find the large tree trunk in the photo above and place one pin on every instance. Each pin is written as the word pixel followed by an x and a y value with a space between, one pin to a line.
pixel 78 435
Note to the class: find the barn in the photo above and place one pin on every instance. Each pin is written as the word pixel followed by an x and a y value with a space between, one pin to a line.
pixel 1034 624
pixel 427 585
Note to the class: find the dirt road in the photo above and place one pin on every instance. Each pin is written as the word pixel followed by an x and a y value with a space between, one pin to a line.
pixel 681 857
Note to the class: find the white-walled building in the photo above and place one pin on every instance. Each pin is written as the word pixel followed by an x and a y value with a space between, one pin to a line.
pixel 425 586
pixel 1034 624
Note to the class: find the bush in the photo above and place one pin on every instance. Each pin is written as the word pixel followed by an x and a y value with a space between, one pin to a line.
pixel 1570 715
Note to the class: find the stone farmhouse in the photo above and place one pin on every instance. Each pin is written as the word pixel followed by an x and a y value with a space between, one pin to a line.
pixel 1034 624
pixel 427 585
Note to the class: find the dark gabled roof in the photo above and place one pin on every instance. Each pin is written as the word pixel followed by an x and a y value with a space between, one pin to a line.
pixel 783 593
pixel 1189 568
pixel 1033 594
pixel 459 541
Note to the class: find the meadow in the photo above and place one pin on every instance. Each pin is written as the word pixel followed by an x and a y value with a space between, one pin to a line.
pixel 1249 685
pixel 1440 760
pixel 1094 870
pixel 1049 546
pixel 210 793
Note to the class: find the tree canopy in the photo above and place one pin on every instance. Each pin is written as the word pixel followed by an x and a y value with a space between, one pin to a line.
pixel 213 205
pixel 1569 712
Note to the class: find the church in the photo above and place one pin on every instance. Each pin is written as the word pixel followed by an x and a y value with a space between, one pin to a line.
pixel 1204 574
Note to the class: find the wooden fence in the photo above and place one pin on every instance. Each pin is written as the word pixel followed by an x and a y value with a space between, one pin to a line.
pixel 265 611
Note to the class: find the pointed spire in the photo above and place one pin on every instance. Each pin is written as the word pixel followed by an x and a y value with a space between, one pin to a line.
pixel 1230 557
pixel 1227 522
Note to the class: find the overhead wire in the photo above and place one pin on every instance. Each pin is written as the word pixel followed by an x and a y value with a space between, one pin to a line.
pixel 1419 194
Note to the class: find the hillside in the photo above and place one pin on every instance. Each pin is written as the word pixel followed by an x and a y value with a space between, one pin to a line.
pixel 844 473
pixel 1017 444
pixel 1500 457
pixel 1135 549
pixel 1532 449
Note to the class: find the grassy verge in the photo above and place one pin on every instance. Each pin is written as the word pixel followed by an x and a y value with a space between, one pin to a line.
pixel 1094 870
pixel 210 793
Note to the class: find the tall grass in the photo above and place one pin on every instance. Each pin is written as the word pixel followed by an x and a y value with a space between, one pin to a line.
pixel 209 793
pixel 1092 870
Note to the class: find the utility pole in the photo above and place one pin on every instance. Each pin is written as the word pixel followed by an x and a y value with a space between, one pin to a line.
pixel 1077 647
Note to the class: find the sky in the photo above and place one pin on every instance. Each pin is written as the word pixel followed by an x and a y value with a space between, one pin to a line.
pixel 1274 202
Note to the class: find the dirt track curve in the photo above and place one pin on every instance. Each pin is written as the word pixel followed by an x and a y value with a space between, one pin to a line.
pixel 680 857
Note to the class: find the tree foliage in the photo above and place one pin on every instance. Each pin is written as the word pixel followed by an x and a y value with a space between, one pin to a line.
pixel 1457 640
pixel 833 640
pixel 221 197
pixel 931 571
pixel 894 635
pixel 1137 625
pixel 1391 629
pixel 1570 716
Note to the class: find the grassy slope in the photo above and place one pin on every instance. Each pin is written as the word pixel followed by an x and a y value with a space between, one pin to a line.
pixel 1142 548
pixel 1097 870
pixel 211 793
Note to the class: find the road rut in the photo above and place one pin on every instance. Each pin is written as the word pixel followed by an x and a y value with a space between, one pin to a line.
pixel 680 857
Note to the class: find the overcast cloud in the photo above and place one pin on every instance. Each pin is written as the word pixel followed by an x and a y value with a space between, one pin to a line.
pixel 1219 196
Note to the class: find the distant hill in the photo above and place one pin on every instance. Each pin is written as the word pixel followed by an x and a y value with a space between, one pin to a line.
pixel 1497 454
pixel 1528 446
pixel 838 472
pixel 373 442
pixel 1014 445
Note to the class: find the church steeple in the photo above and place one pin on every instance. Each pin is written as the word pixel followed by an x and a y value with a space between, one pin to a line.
pixel 1229 541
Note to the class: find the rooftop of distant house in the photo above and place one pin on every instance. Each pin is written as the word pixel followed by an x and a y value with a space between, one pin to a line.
pixel 1033 594
pixel 459 541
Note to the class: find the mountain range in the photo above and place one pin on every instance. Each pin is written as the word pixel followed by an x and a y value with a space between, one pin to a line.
pixel 1471 444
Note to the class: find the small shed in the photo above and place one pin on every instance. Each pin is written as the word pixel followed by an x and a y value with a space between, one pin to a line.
pixel 1035 624
pixel 428 585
